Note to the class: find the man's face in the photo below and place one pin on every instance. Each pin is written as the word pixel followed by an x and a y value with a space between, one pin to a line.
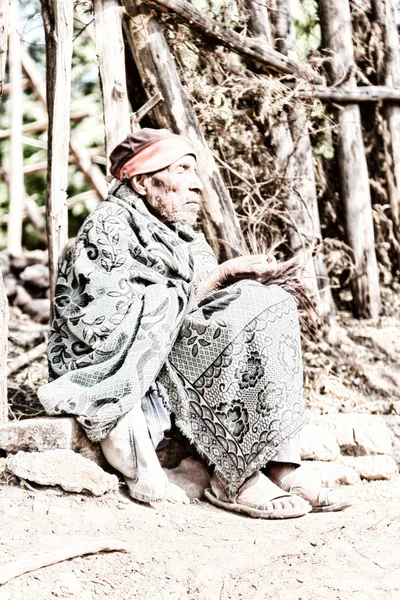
pixel 173 194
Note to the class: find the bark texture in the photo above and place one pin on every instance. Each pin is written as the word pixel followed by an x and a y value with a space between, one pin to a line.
pixel 353 173
pixel 159 74
pixel 58 25
pixel 111 58
pixel 16 188
pixel 384 15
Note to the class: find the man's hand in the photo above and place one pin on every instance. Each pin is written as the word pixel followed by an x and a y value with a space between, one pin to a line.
pixel 243 267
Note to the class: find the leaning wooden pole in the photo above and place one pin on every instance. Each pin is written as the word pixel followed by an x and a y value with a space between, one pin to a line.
pixel 388 66
pixel 159 74
pixel 4 15
pixel 58 25
pixel 16 204
pixel 306 200
pixel 336 31
pixel 111 57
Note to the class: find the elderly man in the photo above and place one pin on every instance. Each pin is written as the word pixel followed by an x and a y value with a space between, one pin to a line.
pixel 148 324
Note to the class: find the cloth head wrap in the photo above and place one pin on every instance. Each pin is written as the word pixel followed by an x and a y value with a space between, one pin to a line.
pixel 147 151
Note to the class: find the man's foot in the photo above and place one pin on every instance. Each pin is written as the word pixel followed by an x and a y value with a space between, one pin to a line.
pixel 305 484
pixel 258 497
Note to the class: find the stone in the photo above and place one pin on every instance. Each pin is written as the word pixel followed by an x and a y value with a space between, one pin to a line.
pixel 393 423
pixel 332 474
pixel 36 275
pixel 48 433
pixel 357 434
pixel 65 468
pixel 191 476
pixel 317 443
pixel 371 468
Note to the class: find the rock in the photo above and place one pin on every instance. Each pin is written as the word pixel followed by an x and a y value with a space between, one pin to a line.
pixel 373 467
pixel 21 261
pixel 357 434
pixel 37 308
pixel 48 433
pixel 191 476
pixel 317 443
pixel 393 423
pixel 36 275
pixel 65 468
pixel 332 474
pixel 10 284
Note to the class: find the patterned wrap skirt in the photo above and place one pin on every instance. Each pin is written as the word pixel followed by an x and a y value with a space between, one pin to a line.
pixel 234 378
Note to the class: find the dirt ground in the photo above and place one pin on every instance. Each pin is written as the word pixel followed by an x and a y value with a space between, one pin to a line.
pixel 199 552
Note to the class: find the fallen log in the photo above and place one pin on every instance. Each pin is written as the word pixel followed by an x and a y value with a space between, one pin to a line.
pixel 34 562
pixel 254 50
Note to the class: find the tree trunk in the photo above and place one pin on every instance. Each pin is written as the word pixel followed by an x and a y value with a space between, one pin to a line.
pixel 159 74
pixel 58 25
pixel 4 13
pixel 110 53
pixel 3 352
pixel 384 15
pixel 353 173
pixel 16 211
pixel 367 93
pixel 305 209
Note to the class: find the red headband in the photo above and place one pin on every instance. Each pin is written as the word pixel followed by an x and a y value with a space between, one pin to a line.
pixel 155 156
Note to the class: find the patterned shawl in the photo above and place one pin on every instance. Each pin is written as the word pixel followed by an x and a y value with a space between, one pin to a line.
pixel 121 297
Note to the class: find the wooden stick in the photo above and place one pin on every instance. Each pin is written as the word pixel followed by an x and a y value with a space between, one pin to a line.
pixel 111 56
pixel 26 358
pixel 92 173
pixel 41 125
pixel 58 26
pixel 34 562
pixel 14 233
pixel 137 116
pixel 368 93
pixel 255 50
pixel 4 13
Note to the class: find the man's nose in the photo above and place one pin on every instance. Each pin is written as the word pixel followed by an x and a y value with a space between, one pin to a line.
pixel 195 183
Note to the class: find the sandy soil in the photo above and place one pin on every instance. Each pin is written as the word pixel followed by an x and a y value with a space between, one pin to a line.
pixel 198 552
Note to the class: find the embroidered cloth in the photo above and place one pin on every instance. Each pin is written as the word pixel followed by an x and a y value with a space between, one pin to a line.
pixel 127 322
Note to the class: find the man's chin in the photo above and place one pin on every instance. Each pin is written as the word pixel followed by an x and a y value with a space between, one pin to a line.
pixel 186 217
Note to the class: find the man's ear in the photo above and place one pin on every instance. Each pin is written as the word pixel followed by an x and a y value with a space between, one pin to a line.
pixel 137 183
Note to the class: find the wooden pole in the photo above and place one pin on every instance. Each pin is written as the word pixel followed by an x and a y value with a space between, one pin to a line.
pixel 92 173
pixel 16 210
pixel 58 26
pixel 3 352
pixel 111 56
pixel 4 15
pixel 250 49
pixel 388 67
pixel 367 93
pixel 336 31
pixel 305 209
pixel 159 74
